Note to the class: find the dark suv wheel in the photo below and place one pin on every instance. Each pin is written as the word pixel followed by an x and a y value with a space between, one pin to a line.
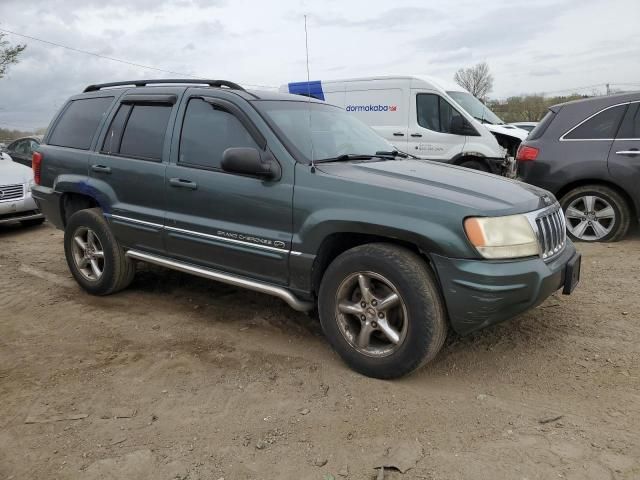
pixel 95 258
pixel 596 213
pixel 381 310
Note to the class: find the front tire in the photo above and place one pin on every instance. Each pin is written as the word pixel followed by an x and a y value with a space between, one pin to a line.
pixel 381 310
pixel 596 213
pixel 95 258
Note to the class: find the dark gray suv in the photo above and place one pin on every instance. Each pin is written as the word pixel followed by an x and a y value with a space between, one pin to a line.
pixel 587 153
pixel 293 197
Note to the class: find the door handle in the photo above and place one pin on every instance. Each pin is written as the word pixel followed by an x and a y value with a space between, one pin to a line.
pixel 416 135
pixel 182 183
pixel 398 134
pixel 101 168
pixel 633 151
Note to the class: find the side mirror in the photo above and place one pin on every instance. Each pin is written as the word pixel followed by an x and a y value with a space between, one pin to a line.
pixel 250 161
pixel 460 126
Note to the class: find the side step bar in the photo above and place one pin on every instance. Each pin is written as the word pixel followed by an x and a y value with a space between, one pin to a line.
pixel 293 301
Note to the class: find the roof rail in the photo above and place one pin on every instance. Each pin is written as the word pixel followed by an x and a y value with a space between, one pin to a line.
pixel 163 81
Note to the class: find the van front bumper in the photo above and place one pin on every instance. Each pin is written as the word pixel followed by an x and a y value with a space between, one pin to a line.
pixel 479 293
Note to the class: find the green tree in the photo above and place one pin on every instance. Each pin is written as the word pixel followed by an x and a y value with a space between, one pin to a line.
pixel 8 54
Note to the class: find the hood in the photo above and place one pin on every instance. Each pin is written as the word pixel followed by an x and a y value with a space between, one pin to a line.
pixel 480 193
pixel 12 172
pixel 508 130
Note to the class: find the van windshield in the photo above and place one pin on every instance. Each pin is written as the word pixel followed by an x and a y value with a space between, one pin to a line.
pixel 319 131
pixel 475 108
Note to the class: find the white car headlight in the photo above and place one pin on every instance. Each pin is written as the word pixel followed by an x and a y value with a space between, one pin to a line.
pixel 502 237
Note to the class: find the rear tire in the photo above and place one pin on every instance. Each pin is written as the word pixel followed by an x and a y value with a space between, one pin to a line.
pixel 596 213
pixel 400 335
pixel 95 258
pixel 476 165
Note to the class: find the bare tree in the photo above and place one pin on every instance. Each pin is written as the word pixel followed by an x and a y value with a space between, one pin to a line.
pixel 477 80
pixel 8 54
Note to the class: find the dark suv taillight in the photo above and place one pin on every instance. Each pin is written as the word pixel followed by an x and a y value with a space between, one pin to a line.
pixel 36 165
pixel 526 153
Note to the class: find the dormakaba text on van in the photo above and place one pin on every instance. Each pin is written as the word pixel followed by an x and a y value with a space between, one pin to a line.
pixel 430 118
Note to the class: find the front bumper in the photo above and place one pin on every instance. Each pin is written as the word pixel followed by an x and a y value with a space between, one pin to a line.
pixel 24 208
pixel 479 293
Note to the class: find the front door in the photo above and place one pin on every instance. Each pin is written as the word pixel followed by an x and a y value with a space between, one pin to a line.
pixel 624 156
pixel 430 123
pixel 230 222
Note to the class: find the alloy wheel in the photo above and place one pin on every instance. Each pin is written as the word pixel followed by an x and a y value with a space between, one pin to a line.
pixel 590 218
pixel 371 314
pixel 88 254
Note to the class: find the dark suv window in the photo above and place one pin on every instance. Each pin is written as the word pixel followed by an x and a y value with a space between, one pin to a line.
pixel 79 123
pixel 208 130
pixel 138 131
pixel 603 126
pixel 435 113
pixel 630 127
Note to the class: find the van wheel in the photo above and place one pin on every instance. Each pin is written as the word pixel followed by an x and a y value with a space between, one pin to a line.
pixel 381 310
pixel 595 213
pixel 95 258
pixel 476 165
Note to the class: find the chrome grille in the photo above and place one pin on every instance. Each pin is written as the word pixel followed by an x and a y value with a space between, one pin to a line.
pixel 11 192
pixel 551 231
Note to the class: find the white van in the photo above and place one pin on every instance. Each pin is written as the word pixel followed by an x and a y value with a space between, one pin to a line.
pixel 432 119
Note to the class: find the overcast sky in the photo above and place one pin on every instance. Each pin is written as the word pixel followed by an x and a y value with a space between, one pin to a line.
pixel 531 45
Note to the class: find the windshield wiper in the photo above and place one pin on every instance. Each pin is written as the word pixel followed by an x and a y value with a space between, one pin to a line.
pixel 345 158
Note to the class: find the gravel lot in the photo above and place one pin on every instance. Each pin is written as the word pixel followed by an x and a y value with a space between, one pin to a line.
pixel 179 377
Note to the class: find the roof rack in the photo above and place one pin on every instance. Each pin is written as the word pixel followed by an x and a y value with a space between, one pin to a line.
pixel 163 81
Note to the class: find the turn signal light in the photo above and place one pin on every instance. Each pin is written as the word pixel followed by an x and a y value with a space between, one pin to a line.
pixel 36 165
pixel 527 153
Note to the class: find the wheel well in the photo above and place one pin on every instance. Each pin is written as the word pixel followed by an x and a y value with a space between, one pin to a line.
pixel 580 183
pixel 338 243
pixel 466 158
pixel 74 202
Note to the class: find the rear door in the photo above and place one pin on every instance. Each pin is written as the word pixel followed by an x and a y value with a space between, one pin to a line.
pixel 129 166
pixel 226 221
pixel 624 155
pixel 430 124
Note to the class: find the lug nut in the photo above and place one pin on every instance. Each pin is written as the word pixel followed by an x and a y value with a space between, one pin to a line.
pixel 374 324
pixel 363 304
pixel 363 318
pixel 380 315
pixel 374 302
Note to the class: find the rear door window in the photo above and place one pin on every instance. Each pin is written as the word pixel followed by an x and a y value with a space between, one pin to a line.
pixel 79 122
pixel 630 128
pixel 138 131
pixel 602 126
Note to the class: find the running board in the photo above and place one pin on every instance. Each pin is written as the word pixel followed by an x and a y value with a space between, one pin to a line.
pixel 293 301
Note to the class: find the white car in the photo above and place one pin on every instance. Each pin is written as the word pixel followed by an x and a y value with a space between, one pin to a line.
pixel 427 117
pixel 16 203
pixel 528 126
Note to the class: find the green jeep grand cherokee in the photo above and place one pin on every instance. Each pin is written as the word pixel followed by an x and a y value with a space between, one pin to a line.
pixel 294 198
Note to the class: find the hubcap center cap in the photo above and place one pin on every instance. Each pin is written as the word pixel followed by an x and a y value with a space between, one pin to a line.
pixel 371 312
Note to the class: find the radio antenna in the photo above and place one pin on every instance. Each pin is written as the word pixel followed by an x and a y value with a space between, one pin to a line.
pixel 306 45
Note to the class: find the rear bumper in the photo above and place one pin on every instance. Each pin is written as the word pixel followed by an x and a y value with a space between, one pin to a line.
pixel 479 293
pixel 48 201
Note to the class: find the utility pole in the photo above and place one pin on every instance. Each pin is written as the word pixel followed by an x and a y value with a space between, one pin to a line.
pixel 608 89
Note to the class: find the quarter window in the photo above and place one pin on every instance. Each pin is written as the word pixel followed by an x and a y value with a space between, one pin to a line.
pixel 435 113
pixel 603 126
pixel 79 122
pixel 208 130
pixel 630 127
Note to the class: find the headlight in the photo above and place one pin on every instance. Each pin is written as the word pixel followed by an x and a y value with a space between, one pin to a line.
pixel 502 237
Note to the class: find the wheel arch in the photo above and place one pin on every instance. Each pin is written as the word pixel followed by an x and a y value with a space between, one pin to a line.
pixel 72 202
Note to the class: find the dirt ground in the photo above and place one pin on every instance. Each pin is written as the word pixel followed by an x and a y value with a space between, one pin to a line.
pixel 182 378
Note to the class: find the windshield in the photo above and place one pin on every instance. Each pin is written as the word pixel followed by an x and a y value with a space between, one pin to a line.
pixel 327 130
pixel 475 108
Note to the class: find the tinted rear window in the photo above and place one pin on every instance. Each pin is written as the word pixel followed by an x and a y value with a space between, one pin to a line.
pixel 630 127
pixel 144 134
pixel 539 129
pixel 603 126
pixel 79 123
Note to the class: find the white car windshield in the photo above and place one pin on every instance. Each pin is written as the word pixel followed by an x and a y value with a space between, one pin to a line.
pixel 475 108
pixel 320 131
